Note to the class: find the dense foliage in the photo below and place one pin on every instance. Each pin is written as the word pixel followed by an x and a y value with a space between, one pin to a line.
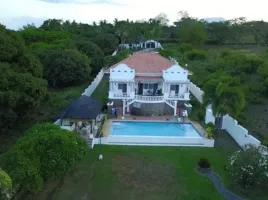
pixel 249 167
pixel 5 185
pixel 45 152
pixel 66 67
pixel 21 84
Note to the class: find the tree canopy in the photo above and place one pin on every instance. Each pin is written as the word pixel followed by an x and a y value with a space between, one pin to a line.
pixel 66 67
pixel 45 152
pixel 21 84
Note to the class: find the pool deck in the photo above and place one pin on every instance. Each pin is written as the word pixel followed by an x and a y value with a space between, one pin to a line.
pixel 107 124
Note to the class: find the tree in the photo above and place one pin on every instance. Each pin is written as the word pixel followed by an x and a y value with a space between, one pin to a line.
pixel 191 31
pixel 237 29
pixel 249 167
pixel 52 25
pixel 21 85
pixel 225 97
pixel 219 31
pixel 162 19
pixel 107 43
pixel 93 52
pixel 44 153
pixel 66 67
pixel 32 35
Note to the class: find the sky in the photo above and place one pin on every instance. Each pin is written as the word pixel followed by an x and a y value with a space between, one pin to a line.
pixel 16 13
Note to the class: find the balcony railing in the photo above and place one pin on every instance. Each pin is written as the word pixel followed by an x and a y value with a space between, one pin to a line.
pixel 149 98
pixel 118 95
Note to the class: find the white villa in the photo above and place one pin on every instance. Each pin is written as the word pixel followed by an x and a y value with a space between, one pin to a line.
pixel 147 44
pixel 146 80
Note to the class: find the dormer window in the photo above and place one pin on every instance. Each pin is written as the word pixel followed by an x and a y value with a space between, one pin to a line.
pixel 125 71
pixel 119 71
pixel 112 70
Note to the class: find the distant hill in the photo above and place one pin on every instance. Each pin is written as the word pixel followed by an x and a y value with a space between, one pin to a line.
pixel 214 19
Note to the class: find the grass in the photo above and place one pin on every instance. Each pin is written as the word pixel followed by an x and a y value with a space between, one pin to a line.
pixel 148 173
pixel 47 111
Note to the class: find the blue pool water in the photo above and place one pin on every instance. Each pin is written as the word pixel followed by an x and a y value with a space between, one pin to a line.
pixel 153 129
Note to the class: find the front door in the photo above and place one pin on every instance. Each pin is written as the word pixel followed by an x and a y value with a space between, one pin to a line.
pixel 177 90
pixel 140 89
pixel 124 88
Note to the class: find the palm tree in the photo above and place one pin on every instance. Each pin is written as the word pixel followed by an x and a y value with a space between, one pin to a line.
pixel 224 97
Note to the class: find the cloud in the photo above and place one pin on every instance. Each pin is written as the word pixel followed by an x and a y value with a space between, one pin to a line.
pixel 17 23
pixel 111 2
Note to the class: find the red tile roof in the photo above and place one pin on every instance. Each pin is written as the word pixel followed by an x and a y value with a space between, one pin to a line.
pixel 146 62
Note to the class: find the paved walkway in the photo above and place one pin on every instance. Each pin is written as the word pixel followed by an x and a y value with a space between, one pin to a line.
pixel 216 179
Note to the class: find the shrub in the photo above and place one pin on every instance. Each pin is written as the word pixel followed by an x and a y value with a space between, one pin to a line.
pixel 249 167
pixel 204 163
pixel 45 152
pixel 209 132
pixel 184 47
pixel 195 55
pixel 212 128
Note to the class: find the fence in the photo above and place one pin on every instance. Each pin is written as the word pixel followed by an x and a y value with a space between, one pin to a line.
pixel 236 131
pixel 196 91
pixel 88 91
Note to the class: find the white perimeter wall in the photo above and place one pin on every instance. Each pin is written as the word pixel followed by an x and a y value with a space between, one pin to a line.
pixel 196 91
pixel 91 88
pixel 237 132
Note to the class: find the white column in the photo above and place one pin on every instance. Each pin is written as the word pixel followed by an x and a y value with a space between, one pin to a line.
pixel 128 108
pixel 124 106
pixel 175 108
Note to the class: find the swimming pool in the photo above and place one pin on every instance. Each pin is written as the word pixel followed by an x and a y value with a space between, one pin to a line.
pixel 167 129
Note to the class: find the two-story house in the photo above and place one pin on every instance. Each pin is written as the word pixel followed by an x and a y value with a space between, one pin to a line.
pixel 147 80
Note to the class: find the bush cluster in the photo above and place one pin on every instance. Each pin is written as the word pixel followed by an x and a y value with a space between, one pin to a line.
pixel 45 152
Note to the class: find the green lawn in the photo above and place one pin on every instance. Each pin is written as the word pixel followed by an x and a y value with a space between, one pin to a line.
pixel 148 173
pixel 101 92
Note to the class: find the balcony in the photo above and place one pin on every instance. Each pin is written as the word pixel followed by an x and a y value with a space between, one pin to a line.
pixel 120 95
pixel 149 99
pixel 179 97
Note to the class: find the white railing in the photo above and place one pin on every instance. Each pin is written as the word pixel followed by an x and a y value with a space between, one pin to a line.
pixel 176 96
pixel 141 98
pixel 117 95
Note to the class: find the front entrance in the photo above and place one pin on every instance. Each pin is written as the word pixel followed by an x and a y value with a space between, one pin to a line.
pixel 174 90
pixel 140 89
pixel 124 88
